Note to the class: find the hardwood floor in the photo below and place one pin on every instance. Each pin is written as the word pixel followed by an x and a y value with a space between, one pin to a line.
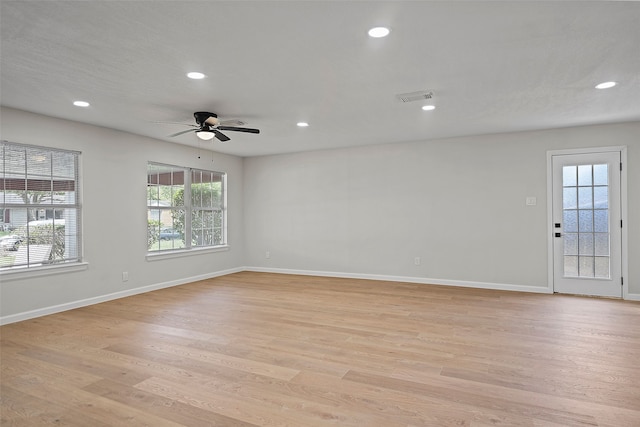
pixel 255 349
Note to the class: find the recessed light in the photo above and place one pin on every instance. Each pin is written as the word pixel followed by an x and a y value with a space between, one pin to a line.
pixel 302 124
pixel 428 107
pixel 81 103
pixel 606 85
pixel 378 32
pixel 196 75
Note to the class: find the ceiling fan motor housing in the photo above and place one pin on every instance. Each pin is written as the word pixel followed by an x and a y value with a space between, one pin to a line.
pixel 202 116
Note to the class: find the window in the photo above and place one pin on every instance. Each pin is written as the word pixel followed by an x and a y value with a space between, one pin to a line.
pixel 40 206
pixel 185 208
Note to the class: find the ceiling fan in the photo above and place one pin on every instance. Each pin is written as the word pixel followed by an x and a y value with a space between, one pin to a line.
pixel 209 127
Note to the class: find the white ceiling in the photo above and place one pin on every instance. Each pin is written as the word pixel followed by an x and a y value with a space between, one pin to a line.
pixel 493 67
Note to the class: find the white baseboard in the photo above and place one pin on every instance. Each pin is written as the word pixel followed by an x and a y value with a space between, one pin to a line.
pixel 632 297
pixel 408 279
pixel 4 320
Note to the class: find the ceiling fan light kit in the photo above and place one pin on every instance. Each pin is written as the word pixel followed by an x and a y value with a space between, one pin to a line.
pixel 205 135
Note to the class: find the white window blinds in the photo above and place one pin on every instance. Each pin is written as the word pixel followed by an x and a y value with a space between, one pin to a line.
pixel 41 208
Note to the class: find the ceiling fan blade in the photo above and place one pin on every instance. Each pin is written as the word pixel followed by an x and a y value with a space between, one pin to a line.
pixel 221 136
pixel 232 122
pixel 236 129
pixel 182 132
pixel 175 123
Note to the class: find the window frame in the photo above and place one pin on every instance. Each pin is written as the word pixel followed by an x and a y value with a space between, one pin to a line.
pixel 188 207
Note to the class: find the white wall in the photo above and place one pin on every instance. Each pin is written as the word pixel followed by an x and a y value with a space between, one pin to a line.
pixel 458 204
pixel 113 168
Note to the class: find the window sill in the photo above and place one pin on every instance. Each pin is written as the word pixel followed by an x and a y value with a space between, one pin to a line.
pixel 27 273
pixel 179 253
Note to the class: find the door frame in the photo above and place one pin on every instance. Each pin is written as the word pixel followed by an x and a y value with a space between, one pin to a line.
pixel 623 210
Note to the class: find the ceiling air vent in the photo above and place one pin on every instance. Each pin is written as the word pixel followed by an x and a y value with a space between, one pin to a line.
pixel 415 96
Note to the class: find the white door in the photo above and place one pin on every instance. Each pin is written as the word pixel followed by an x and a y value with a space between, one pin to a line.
pixel 587 225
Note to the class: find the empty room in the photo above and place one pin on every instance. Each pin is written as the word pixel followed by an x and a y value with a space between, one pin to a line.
pixel 319 213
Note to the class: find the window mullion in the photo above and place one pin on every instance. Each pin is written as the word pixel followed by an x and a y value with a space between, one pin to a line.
pixel 223 208
pixel 187 208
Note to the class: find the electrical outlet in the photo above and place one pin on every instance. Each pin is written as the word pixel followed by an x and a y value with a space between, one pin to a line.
pixel 267 254
pixel 531 201
pixel 125 276
pixel 417 261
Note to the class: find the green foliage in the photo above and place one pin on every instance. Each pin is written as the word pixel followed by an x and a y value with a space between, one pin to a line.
pixel 178 215
pixel 159 192
pixel 46 235
pixel 153 232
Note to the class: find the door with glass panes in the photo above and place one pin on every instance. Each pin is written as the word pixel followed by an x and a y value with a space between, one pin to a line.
pixel 587 224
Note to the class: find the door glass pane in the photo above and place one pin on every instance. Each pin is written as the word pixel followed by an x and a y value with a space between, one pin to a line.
pixel 571 266
pixel 585 198
pixel 600 175
pixel 585 220
pixel 585 266
pixel 569 176
pixel 601 197
pixel 601 220
pixel 601 244
pixel 570 221
pixel 569 198
pixel 585 243
pixel 571 243
pixel 584 175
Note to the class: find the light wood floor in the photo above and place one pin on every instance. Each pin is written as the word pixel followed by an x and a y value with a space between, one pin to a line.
pixel 254 349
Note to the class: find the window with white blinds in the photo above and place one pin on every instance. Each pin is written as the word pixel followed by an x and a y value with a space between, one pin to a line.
pixel 185 208
pixel 41 209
